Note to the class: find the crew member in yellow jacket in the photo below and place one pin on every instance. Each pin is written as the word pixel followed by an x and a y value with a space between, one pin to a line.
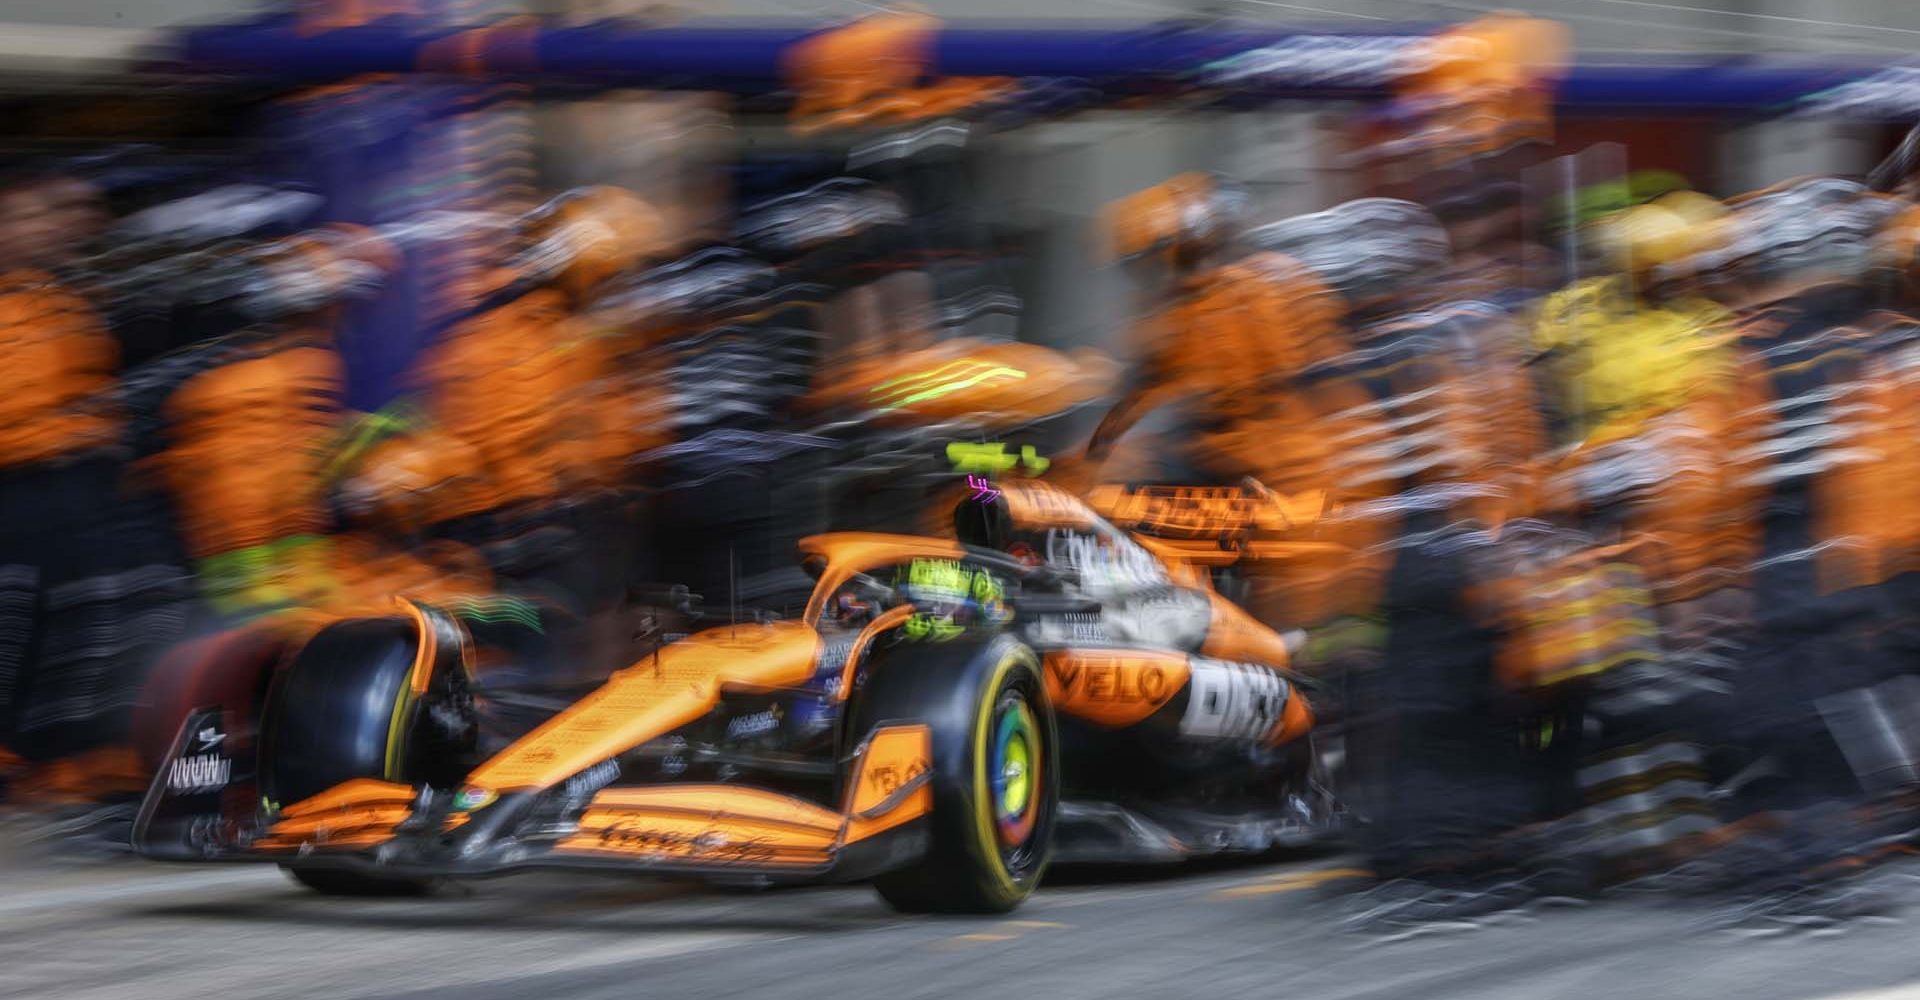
pixel 1644 374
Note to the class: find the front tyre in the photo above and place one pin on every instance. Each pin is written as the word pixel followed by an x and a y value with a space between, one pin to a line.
pixel 994 773
pixel 344 707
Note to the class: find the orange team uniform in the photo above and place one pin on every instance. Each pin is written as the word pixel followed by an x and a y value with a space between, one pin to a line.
pixel 534 392
pixel 66 359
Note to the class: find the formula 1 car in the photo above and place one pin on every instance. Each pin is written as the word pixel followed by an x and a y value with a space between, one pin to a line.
pixel 939 717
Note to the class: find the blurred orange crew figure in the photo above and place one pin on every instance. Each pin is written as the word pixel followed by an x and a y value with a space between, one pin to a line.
pixel 91 586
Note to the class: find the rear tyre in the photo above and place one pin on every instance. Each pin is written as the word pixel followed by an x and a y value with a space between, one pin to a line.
pixel 994 773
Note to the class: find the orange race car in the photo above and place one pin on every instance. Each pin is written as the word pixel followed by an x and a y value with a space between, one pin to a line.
pixel 942 717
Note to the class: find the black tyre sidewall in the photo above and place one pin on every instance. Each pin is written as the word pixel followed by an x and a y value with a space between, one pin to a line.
pixel 953 688
pixel 330 715
pixel 322 728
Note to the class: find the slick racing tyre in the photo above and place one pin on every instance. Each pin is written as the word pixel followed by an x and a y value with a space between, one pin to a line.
pixel 345 707
pixel 994 770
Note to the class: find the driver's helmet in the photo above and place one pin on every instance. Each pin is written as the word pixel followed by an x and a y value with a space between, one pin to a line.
pixel 949 596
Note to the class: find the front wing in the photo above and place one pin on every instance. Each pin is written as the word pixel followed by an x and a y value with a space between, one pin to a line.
pixel 201 808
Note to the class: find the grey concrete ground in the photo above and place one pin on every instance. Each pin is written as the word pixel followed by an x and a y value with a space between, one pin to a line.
pixel 130 931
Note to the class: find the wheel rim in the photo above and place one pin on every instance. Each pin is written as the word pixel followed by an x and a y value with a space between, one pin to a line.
pixel 1014 776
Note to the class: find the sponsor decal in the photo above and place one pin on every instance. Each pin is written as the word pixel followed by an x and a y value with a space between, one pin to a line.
pixel 1114 689
pixel 473 797
pixel 892 767
pixel 708 845
pixel 1240 701
pixel 592 779
pixel 1104 564
pixel 1111 679
pixel 833 656
pixel 742 726
pixel 202 766
pixel 200 773
pixel 890 778
pixel 1206 512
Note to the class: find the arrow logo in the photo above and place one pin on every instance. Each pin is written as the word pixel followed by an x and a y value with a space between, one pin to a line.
pixel 982 489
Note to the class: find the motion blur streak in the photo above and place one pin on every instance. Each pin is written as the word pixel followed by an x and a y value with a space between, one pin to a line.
pixel 520 498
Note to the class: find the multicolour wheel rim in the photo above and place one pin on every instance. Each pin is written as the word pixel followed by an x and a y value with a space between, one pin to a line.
pixel 1014 772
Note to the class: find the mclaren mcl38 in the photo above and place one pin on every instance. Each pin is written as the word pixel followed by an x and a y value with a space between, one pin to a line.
pixel 941 717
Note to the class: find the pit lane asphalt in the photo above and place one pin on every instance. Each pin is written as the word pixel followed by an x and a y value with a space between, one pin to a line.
pixel 133 931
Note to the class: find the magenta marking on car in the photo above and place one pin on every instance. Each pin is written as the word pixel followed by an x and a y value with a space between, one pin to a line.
pixel 982 488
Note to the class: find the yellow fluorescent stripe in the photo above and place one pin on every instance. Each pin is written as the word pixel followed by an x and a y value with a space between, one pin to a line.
pixel 917 387
pixel 967 371
pixel 1013 374
pixel 984 936
pixel 1036 923
pixel 396 728
pixel 968 364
